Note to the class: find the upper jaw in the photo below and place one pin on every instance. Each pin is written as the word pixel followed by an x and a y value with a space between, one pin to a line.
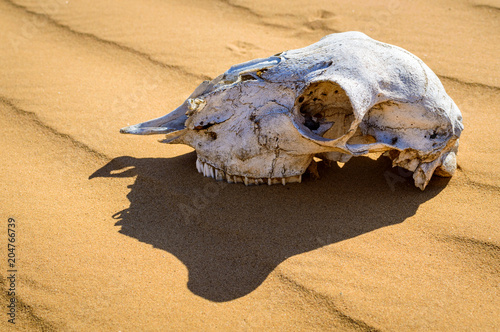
pixel 213 172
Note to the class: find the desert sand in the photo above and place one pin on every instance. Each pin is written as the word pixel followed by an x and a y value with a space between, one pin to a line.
pixel 120 233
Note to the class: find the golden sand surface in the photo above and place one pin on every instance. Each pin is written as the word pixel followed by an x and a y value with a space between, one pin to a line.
pixel 120 233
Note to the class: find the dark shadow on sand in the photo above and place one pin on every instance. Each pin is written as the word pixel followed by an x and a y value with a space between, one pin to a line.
pixel 231 237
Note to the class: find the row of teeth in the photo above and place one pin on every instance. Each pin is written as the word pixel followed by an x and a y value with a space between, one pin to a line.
pixel 212 172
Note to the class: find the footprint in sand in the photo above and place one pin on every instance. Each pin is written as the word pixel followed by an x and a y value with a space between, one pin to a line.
pixel 241 48
pixel 324 20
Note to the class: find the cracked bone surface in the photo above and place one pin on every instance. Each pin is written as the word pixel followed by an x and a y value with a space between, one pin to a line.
pixel 347 95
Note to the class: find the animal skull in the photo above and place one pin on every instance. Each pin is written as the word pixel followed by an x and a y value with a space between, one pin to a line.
pixel 347 95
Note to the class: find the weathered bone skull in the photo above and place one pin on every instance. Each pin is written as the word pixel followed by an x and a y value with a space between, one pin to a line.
pixel 347 95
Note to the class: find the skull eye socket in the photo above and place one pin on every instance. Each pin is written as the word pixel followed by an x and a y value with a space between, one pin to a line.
pixel 325 109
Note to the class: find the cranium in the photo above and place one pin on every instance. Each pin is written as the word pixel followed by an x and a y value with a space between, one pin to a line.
pixel 347 95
